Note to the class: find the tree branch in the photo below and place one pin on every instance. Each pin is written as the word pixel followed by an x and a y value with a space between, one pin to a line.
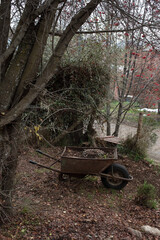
pixel 76 22
pixel 71 128
pixel 58 33
pixel 34 59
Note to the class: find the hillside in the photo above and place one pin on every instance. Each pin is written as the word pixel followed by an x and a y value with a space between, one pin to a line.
pixel 80 209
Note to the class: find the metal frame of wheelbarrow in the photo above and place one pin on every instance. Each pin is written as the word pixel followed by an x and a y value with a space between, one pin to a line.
pixel 79 166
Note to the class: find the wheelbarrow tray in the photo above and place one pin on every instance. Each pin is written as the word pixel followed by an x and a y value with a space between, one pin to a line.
pixel 82 165
pixel 113 175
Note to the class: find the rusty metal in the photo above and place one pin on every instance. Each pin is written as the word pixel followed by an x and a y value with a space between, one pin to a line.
pixel 43 166
pixel 110 139
pixel 115 177
pixel 81 166
pixel 49 156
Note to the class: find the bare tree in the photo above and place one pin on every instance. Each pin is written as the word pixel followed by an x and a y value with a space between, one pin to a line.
pixel 139 42
pixel 24 30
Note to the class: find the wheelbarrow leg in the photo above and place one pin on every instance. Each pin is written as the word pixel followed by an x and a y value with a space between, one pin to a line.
pixel 69 179
pixel 60 177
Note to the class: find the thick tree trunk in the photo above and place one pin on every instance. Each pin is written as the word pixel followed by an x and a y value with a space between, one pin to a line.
pixel 5 7
pixel 91 131
pixel 8 165
pixel 77 124
pixel 13 89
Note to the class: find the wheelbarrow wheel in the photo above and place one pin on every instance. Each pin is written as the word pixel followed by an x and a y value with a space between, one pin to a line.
pixel 116 170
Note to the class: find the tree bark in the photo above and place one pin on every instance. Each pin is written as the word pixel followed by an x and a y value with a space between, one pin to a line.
pixel 8 165
pixel 21 70
pixel 71 128
pixel 91 133
pixel 158 107
pixel 15 70
pixel 52 65
pixel 139 129
pixel 32 66
pixel 118 120
pixel 108 97
pixel 5 8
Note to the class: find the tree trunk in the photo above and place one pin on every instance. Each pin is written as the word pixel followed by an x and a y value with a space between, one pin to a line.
pixel 159 107
pixel 5 8
pixel 108 97
pixel 71 128
pixel 116 131
pixel 139 129
pixel 91 133
pixel 8 165
pixel 108 119
pixel 46 12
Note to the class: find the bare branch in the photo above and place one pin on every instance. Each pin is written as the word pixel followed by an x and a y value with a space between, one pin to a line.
pixel 54 61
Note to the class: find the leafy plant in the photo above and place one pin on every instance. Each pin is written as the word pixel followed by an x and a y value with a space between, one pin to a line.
pixel 91 178
pixel 146 195
pixel 25 209
pixel 150 161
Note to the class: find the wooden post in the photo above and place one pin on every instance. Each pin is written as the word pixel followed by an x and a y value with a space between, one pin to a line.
pixel 159 107
pixel 140 124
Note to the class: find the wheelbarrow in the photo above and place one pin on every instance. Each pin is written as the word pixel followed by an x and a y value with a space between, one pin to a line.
pixel 82 161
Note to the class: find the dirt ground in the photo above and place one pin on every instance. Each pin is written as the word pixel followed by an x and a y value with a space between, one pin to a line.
pixel 82 209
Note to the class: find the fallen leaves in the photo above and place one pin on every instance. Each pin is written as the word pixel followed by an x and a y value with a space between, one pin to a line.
pixel 81 209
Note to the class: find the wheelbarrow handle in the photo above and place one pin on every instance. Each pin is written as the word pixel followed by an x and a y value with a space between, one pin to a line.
pixel 43 166
pixel 39 151
pixel 47 155
pixel 33 162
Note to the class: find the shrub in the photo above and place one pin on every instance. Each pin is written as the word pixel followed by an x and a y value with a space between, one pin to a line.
pixel 79 86
pixel 146 195
pixel 137 150
pixel 133 149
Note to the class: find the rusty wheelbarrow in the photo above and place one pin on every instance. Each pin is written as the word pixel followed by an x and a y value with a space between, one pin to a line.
pixel 82 161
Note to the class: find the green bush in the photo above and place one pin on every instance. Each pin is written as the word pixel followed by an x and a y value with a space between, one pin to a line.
pixel 146 195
